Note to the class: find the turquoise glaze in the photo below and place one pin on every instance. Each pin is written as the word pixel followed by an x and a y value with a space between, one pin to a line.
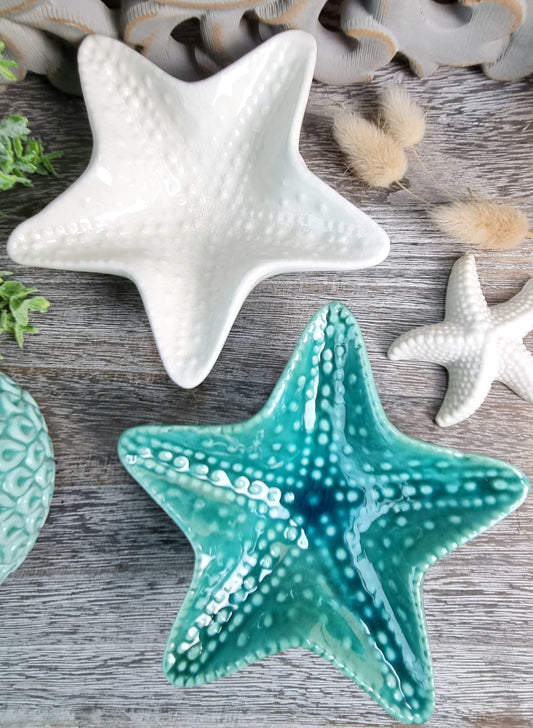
pixel 314 522
pixel 27 473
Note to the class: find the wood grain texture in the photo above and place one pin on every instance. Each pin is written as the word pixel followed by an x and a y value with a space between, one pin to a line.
pixel 84 621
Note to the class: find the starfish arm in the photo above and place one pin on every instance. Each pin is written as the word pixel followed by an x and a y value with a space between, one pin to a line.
pixel 327 381
pixel 222 623
pixel 465 302
pixel 225 466
pixel 190 343
pixel 434 500
pixel 441 499
pixel 293 220
pixel 119 87
pixel 358 631
pixel 469 382
pixel 516 371
pixel 101 218
pixel 440 343
pixel 517 313
pixel 227 620
pixel 310 227
pixel 264 96
pixel 196 460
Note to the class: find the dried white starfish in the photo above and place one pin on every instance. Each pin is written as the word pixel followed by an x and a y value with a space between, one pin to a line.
pixel 197 191
pixel 476 343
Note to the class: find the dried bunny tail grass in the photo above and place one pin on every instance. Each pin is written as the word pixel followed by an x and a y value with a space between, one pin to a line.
pixel 372 154
pixel 402 117
pixel 484 224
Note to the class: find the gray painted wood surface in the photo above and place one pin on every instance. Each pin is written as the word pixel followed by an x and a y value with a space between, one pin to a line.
pixel 84 621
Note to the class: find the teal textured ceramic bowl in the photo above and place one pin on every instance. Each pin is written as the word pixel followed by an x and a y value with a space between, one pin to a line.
pixel 27 473
pixel 314 522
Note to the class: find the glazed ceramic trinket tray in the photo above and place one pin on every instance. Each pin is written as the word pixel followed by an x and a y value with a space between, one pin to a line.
pixel 314 522
pixel 197 192
pixel 27 474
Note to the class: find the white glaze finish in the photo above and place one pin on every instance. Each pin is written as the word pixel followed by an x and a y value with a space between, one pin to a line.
pixel 197 208
pixel 476 343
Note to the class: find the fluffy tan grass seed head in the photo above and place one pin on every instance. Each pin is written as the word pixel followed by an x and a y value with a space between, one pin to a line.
pixel 486 225
pixel 373 155
pixel 402 117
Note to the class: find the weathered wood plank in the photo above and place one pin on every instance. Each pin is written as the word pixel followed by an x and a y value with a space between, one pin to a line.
pixel 84 621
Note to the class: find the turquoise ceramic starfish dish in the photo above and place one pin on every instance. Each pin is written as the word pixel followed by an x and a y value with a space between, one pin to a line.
pixel 314 522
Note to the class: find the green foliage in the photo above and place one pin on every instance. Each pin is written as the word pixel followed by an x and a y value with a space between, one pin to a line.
pixel 6 66
pixel 20 154
pixel 15 307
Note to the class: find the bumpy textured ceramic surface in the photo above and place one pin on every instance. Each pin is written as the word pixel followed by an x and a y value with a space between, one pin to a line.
pixel 476 343
pixel 197 191
pixel 314 522
pixel 27 474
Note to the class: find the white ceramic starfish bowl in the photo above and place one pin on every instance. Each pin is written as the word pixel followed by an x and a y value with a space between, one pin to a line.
pixel 197 191
pixel 476 343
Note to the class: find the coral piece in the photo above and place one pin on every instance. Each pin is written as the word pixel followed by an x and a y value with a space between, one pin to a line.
pixel 27 474
pixel 197 192
pixel 148 25
pixel 430 34
pixel 364 37
pixel 226 36
pixel 342 57
pixel 477 344
pixel 33 32
pixel 516 61
pixel 370 34
pixel 314 522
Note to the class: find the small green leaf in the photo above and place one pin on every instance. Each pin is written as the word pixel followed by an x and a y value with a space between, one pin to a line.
pixel 20 154
pixel 16 303
pixel 45 165
pixel 17 147
pixel 19 309
pixel 38 303
pixel 19 335
pixel 13 289
pixel 6 73
pixel 7 181
pixel 6 65
pixel 14 126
